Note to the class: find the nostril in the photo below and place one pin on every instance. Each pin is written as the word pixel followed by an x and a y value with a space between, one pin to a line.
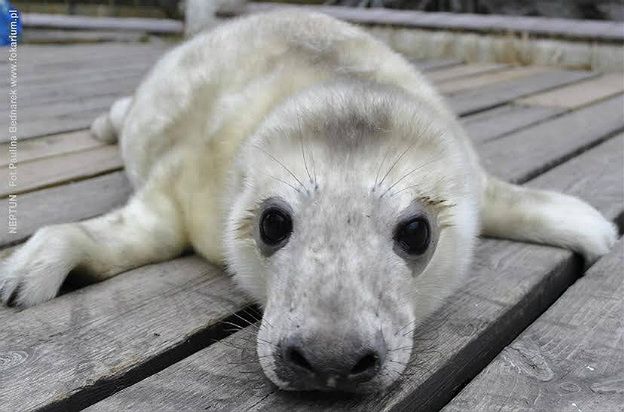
pixel 294 356
pixel 367 363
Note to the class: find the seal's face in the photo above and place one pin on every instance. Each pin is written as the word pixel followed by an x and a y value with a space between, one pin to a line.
pixel 348 241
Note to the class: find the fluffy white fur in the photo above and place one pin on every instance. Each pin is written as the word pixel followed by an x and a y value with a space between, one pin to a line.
pixel 317 113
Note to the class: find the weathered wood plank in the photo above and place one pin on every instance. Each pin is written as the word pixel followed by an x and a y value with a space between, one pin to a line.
pixel 432 65
pixel 116 85
pixel 37 79
pixel 201 382
pixel 36 60
pixel 42 36
pixel 41 65
pixel 49 171
pixel 149 25
pixel 561 27
pixel 464 70
pixel 552 142
pixel 49 146
pixel 40 84
pixel 61 117
pixel 67 203
pixel 571 358
pixel 510 285
pixel 497 122
pixel 579 94
pixel 474 100
pixel 485 79
pixel 82 344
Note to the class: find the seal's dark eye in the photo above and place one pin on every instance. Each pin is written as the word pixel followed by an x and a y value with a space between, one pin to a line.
pixel 413 236
pixel 275 226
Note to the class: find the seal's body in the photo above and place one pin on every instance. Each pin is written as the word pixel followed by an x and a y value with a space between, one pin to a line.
pixel 328 175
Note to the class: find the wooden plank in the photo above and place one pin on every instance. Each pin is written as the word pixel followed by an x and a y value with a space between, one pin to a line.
pixel 464 70
pixel 31 114
pixel 149 25
pixel 71 63
pixel 38 72
pixel 59 118
pixel 500 121
pixel 82 344
pixel 510 285
pixel 78 36
pixel 472 82
pixel 49 146
pixel 579 94
pixel 432 65
pixel 49 171
pixel 117 84
pixel 552 142
pixel 201 382
pixel 559 27
pixel 36 79
pixel 571 358
pixel 35 59
pixel 68 203
pixel 475 100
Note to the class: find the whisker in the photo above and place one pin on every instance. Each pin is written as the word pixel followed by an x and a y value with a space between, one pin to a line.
pixel 284 166
pixel 305 163
pixel 296 189
pixel 380 165
pixel 406 175
pixel 397 161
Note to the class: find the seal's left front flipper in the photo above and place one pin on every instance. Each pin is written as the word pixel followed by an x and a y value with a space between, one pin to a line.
pixel 515 212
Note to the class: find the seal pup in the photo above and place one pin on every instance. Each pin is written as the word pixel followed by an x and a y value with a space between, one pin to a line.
pixel 325 172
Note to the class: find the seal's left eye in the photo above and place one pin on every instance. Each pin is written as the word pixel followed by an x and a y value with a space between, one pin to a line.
pixel 413 236
pixel 275 226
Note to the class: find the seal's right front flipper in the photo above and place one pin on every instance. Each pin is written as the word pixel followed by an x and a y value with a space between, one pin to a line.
pixel 146 230
pixel 515 212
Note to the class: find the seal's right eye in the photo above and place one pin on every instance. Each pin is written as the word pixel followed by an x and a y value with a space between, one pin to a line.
pixel 413 236
pixel 275 226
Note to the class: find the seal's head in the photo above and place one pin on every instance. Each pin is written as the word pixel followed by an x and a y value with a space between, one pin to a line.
pixel 350 221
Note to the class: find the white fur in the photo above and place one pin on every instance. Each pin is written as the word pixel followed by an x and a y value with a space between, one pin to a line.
pixel 308 109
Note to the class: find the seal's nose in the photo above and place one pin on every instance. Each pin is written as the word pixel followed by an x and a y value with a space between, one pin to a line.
pixel 333 365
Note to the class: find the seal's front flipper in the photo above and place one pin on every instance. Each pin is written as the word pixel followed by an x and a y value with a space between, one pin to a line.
pixel 515 212
pixel 146 230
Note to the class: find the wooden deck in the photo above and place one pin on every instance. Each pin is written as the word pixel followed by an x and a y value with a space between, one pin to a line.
pixel 160 337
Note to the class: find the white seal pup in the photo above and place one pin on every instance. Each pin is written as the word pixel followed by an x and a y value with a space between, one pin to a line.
pixel 325 172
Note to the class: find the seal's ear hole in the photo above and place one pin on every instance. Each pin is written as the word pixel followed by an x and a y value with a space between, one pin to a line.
pixel 275 226
pixel 413 235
